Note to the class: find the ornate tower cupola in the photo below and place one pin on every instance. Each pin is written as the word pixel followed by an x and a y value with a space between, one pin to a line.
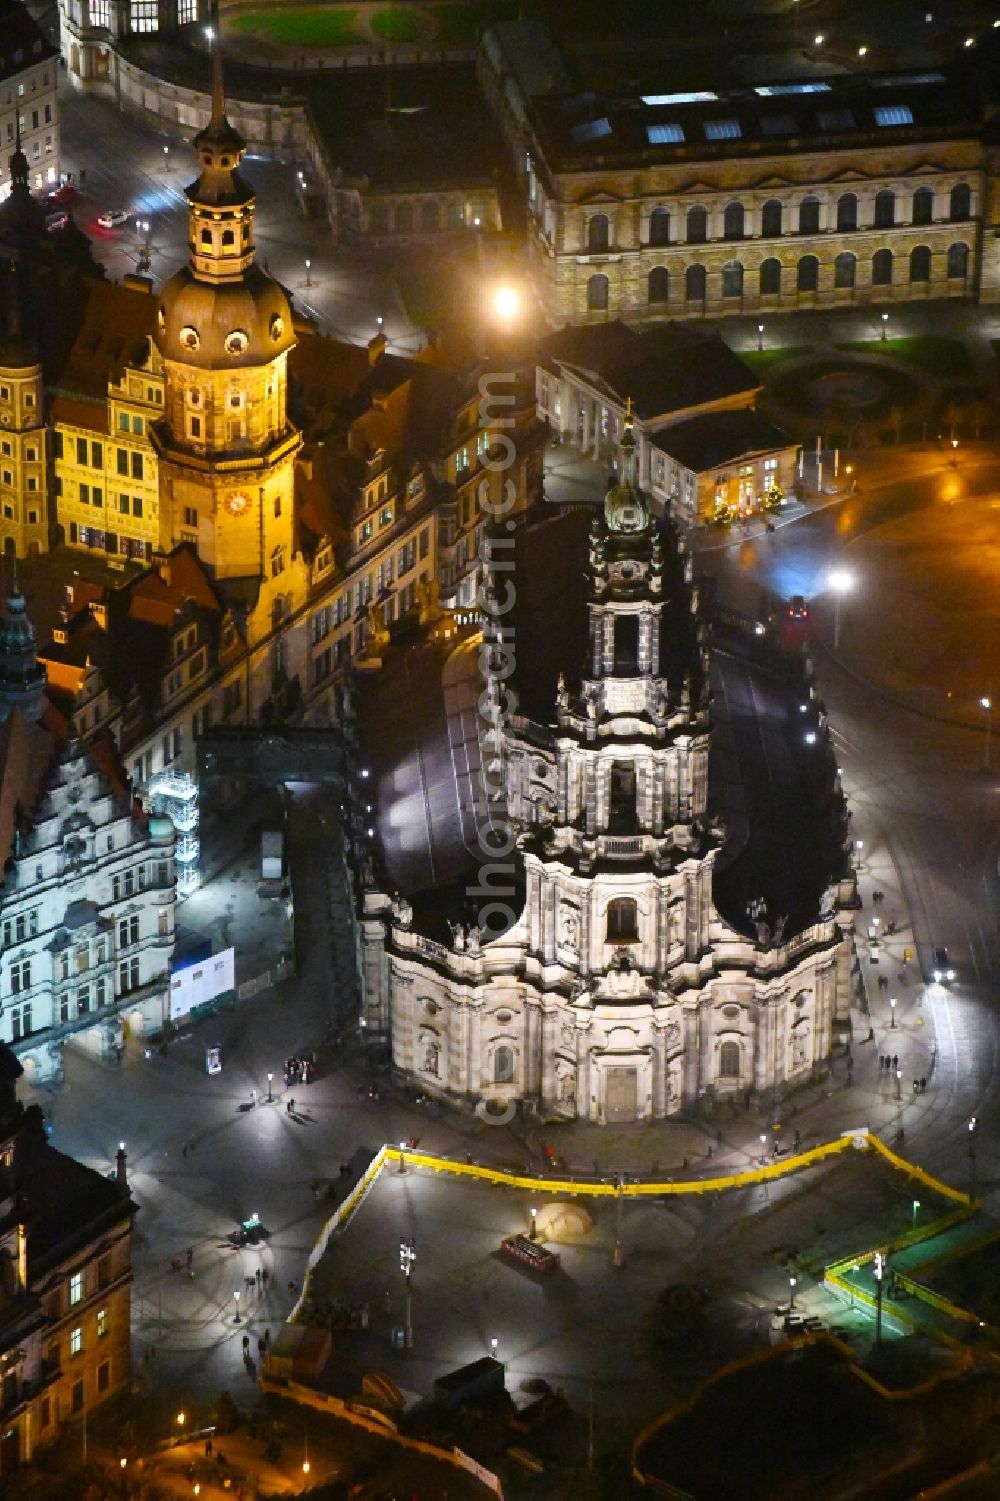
pixel 221 202
pixel 22 676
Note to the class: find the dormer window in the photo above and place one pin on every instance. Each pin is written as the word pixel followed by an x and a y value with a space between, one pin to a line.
pixel 206 238
pixel 228 238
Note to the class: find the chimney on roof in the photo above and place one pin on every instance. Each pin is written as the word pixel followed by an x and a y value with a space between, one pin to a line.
pixel 376 348
pixel 161 562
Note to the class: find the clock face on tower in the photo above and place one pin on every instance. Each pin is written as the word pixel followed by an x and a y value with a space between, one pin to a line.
pixel 237 502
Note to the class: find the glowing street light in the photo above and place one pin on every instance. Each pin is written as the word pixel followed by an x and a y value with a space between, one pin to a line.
pixel 407 1256
pixel 166 158
pixel 792 1282
pixel 236 1295
pixel 763 1148
pixel 270 1094
pixel 760 337
pixel 885 320
pixel 986 703
pixel 308 273
pixel 892 1005
pixel 916 1206
pixel 506 304
pixel 181 1419
pixel 862 51
pixel 841 581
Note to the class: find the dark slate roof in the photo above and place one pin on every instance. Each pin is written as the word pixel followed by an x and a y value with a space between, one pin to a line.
pixel 64 1203
pixel 665 369
pixel 702 443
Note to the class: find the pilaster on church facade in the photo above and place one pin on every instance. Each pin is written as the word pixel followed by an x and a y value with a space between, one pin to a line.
pixel 619 993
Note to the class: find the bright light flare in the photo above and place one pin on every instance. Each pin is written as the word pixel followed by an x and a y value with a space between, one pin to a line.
pixel 506 304
pixel 841 580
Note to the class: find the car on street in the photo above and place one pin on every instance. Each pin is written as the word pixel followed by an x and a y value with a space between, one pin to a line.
pixel 797 608
pixel 65 194
pixel 114 218
pixel 942 970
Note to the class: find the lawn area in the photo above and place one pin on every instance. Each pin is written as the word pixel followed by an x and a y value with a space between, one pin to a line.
pixel 460 25
pixel 928 351
pixel 302 27
pixel 397 25
pixel 762 360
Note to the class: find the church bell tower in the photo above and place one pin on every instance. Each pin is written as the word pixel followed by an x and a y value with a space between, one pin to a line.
pixel 226 447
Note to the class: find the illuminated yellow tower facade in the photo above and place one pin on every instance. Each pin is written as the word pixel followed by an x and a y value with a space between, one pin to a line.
pixel 226 447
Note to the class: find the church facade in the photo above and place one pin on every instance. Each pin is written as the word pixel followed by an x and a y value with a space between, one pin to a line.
pixel 619 993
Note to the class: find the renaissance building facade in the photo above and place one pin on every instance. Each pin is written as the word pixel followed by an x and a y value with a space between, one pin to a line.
pixel 810 192
pixel 619 992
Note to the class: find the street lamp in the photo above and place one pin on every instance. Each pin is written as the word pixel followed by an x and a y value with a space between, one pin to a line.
pixel 885 320
pixel 862 50
pixel 533 1232
pixel 166 158
pixel 916 1206
pixel 181 1419
pixel 760 337
pixel 493 1346
pixel 841 582
pixel 236 1295
pixel 308 273
pixel 986 703
pixel 506 304
pixel 270 1095
pixel 972 1157
pixel 402 1158
pixel 899 1081
pixel 892 1005
pixel 763 1148
pixel 878 1267
pixel 407 1256
pixel 791 1291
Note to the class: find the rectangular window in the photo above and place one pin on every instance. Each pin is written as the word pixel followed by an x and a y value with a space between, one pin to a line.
pixel 102 1322
pixel 722 130
pixel 83 1000
pixel 123 503
pixel 82 451
pixel 893 114
pixel 123 421
pixel 97 496
pixel 122 460
pixel 84 495
pixel 20 976
pixel 137 506
pixel 137 424
pixel 76 1288
pixel 104 1376
pixel 663 135
pixel 77 1396
pixel 137 466
pixel 190 516
pixel 97 455
pixel 76 1341
pixel 20 1021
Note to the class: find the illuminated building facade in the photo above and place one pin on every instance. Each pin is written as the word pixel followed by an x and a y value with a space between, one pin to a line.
pixel 815 193
pixel 619 993
pixel 29 108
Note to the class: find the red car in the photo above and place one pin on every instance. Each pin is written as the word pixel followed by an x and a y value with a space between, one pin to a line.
pixel 65 195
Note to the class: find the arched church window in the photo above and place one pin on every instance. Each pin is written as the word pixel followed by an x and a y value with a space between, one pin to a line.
pixel 623 920
pixel 503 1064
pixel 729 1060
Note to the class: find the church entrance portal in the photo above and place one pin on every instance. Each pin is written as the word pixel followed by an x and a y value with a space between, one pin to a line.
pixel 621 1094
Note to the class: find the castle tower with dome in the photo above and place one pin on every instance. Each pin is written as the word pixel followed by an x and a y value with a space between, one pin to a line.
pixel 225 445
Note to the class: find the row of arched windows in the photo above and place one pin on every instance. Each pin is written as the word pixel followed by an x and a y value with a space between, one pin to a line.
pixel 806 275
pixel 773 219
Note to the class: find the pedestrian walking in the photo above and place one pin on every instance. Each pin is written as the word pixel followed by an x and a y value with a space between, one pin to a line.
pixel 923 1083
pixel 261 1347
pixel 253 1098
pixel 208 1447
pixel 258 1279
pixel 881 1061
pixel 895 1062
pixel 916 1086
pixel 246 1344
pixel 290 1107
pixel 267 1338
pixel 263 1278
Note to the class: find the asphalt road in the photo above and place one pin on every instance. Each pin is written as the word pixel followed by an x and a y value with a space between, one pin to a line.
pixel 914 777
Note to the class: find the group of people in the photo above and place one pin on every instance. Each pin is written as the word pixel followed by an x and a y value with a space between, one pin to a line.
pixel 300 1070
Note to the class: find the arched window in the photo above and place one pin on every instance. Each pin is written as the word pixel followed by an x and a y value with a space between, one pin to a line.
pixel 770 217
pixel 503 1064
pixel 228 238
pixel 960 204
pixel 694 283
pixel 430 217
pixel 659 227
pixel 597 294
pixel 732 221
pixel 659 284
pixel 379 217
pixel 847 211
pixel 920 263
pixel 808 274
pixel 729 1060
pixel 597 233
pixel 732 279
pixel 882 268
pixel 404 218
pixel 843 269
pixel 885 209
pixel 623 920
pixel 958 261
pixel 809 216
pixel 923 206
pixel 770 277
pixel 206 237
pixel 697 225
